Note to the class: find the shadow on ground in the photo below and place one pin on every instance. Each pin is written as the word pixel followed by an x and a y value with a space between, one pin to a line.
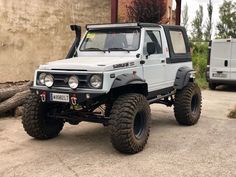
pixel 227 88
pixel 95 136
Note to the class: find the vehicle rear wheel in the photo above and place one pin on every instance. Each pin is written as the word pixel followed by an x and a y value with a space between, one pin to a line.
pixel 187 105
pixel 130 123
pixel 36 122
pixel 212 86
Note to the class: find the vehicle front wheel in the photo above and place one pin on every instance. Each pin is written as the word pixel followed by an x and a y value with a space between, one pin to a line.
pixel 130 123
pixel 187 105
pixel 36 122
pixel 212 86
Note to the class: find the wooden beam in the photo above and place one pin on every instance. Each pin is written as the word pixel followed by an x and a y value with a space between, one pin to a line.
pixel 114 11
pixel 178 12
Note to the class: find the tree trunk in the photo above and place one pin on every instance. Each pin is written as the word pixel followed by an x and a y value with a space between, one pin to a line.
pixel 13 102
pixel 6 93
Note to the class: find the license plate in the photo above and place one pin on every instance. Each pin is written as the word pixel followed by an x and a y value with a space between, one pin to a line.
pixel 221 75
pixel 60 97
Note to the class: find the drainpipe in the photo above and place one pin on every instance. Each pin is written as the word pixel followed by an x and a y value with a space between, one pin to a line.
pixel 178 12
pixel 114 11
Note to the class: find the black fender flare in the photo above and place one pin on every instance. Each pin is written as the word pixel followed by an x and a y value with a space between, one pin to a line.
pixel 129 80
pixel 183 77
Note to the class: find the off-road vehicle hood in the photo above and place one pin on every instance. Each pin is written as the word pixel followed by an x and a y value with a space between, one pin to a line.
pixel 91 63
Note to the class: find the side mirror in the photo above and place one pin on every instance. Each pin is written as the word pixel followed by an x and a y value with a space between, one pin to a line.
pixel 151 48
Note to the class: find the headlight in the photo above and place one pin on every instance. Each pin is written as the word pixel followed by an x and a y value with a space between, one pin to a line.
pixel 42 78
pixel 49 80
pixel 96 81
pixel 73 82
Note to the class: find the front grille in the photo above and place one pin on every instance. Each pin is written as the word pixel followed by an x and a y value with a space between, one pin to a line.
pixel 61 80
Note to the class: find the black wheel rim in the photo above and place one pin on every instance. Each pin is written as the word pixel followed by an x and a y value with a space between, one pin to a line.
pixel 139 125
pixel 49 109
pixel 194 104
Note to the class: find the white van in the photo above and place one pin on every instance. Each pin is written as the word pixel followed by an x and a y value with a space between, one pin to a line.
pixel 221 65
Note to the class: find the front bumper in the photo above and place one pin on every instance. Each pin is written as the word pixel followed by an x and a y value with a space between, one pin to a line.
pixel 80 95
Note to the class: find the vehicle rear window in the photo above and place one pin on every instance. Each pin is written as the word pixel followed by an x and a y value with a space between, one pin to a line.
pixel 178 43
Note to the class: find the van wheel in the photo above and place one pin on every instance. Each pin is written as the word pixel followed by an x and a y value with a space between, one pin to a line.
pixel 130 123
pixel 212 86
pixel 187 105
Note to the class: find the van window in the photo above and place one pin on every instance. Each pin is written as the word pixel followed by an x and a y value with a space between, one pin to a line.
pixel 178 42
pixel 153 36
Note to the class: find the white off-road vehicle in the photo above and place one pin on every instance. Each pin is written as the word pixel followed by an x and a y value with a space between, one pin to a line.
pixel 111 77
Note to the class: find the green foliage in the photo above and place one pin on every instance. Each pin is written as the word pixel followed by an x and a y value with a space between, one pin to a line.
pixel 226 27
pixel 208 31
pixel 185 16
pixel 200 52
pixel 197 25
pixel 202 83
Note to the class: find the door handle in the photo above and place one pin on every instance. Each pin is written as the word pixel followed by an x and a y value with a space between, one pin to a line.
pixel 226 63
pixel 162 61
pixel 142 62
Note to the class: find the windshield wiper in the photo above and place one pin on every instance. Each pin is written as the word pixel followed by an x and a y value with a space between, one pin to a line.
pixel 117 49
pixel 93 49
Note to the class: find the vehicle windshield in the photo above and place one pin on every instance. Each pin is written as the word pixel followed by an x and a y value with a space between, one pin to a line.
pixel 111 40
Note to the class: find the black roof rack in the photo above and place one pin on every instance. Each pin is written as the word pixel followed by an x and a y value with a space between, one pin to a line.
pixel 149 24
pixel 121 25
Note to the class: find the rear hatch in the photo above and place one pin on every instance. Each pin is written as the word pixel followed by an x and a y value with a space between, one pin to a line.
pixel 233 60
pixel 220 60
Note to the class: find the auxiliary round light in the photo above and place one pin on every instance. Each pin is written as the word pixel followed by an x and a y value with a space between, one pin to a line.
pixel 73 82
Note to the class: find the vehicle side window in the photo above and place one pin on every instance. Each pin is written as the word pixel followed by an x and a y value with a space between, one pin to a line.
pixel 178 43
pixel 153 36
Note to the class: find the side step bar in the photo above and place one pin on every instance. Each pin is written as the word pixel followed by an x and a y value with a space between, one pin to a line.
pixel 166 101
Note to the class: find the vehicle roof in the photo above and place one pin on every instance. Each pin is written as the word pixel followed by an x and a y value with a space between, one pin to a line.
pixel 124 25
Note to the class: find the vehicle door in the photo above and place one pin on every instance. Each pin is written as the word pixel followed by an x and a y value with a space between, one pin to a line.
pixel 154 65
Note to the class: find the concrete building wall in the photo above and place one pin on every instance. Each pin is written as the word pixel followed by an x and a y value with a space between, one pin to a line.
pixel 37 31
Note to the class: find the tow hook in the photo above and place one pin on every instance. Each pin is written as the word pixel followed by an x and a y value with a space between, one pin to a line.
pixel 43 97
pixel 73 100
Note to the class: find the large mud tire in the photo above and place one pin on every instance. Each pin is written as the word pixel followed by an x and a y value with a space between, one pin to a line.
pixel 187 105
pixel 35 120
pixel 130 123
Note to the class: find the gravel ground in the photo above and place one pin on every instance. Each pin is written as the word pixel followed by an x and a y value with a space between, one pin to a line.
pixel 206 149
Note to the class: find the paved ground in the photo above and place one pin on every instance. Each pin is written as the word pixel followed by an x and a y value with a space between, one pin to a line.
pixel 207 149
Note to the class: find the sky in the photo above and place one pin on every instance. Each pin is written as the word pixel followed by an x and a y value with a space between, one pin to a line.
pixel 194 5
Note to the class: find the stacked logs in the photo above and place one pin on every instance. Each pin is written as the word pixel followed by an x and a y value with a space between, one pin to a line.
pixel 13 97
